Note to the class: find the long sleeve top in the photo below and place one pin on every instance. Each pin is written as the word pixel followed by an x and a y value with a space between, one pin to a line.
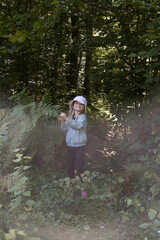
pixel 76 131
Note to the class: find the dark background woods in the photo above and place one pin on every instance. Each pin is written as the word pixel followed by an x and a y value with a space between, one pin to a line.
pixel 64 48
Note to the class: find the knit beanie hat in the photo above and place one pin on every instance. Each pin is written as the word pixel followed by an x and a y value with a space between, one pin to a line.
pixel 81 100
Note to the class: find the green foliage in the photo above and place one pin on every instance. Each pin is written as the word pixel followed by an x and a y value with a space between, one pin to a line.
pixel 14 194
pixel 61 48
pixel 39 196
pixel 13 233
pixel 3 135
pixel 19 128
pixel 151 228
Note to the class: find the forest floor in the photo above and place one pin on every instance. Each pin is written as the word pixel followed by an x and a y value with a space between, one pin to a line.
pixel 87 223
pixel 102 226
pixel 83 219
pixel 108 232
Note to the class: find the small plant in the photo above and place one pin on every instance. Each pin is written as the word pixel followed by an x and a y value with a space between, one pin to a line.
pixel 13 233
pixel 14 193
pixel 151 228
pixel 18 186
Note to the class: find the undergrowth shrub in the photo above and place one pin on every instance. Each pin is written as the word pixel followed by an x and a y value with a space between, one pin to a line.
pixel 151 228
pixel 138 150
pixel 31 126
pixel 38 196
pixel 14 194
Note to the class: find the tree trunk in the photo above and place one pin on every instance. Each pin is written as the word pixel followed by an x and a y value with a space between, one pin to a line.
pixel 72 58
pixel 88 64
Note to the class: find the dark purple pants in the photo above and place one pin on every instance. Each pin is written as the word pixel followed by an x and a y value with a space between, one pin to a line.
pixel 75 160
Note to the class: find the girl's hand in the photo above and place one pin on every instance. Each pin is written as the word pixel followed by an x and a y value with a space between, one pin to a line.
pixel 61 119
pixel 64 116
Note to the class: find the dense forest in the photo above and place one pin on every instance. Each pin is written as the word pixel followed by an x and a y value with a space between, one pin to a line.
pixel 97 49
pixel 109 52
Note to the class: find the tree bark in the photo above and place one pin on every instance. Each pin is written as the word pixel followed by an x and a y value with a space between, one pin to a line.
pixel 72 58
pixel 88 64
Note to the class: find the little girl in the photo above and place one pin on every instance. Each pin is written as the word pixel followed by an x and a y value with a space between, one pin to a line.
pixel 75 125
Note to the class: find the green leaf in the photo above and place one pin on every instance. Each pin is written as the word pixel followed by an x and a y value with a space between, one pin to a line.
pixel 36 25
pixel 85 179
pixel 152 52
pixel 15 203
pixel 17 193
pixel 138 70
pixel 11 234
pixel 23 179
pixel 21 38
pixel 142 53
pixel 21 233
pixel 3 51
pixel 154 190
pixel 30 202
pixel 120 179
pixel 77 178
pixel 152 214
pixel 142 209
pixel 27 157
pixel 132 55
pixel 16 173
pixel 16 150
pixel 87 173
pixel 67 179
pixel 144 225
pixel 13 38
pixel 68 216
pixel 155 151
pixel 27 194
pixel 156 223
pixel 150 26
pixel 19 155
pixel 155 65
pixel 129 202
pixel 23 216
pixel 55 2
pixel 26 167
pixel 17 160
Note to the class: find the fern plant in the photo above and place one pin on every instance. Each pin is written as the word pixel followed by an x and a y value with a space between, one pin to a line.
pixel 22 97
pixel 3 131
pixel 31 126
pixel 3 135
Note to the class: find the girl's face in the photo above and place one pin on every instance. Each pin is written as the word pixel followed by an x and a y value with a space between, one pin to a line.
pixel 78 107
